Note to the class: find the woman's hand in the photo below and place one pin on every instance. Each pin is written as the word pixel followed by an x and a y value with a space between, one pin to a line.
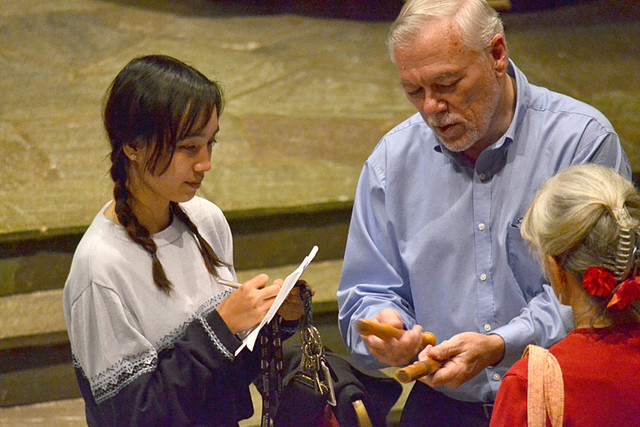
pixel 293 307
pixel 245 307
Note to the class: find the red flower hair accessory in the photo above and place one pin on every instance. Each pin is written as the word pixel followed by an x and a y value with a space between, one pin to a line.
pixel 627 292
pixel 598 282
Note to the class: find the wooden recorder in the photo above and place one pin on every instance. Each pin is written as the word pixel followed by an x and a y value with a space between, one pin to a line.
pixel 409 373
pixel 368 327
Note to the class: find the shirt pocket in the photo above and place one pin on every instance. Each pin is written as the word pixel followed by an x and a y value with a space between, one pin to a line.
pixel 523 262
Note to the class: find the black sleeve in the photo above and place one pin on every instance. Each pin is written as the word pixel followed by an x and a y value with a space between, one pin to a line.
pixel 196 381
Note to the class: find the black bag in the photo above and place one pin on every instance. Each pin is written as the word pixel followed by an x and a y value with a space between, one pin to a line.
pixel 323 388
pixel 307 398
pixel 361 392
pixel 363 396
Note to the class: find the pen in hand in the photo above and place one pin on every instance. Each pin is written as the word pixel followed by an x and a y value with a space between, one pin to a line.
pixel 229 283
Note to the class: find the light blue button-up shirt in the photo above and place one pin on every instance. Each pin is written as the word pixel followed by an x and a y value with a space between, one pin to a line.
pixel 438 239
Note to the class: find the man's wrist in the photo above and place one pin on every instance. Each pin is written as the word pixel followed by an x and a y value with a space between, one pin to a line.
pixel 497 346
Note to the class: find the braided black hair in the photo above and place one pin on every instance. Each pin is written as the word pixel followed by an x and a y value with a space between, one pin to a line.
pixel 156 101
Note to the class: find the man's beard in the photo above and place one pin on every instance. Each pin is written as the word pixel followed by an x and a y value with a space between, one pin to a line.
pixel 474 130
pixel 463 143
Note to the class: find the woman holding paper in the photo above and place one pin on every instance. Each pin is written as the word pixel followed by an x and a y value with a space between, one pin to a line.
pixel 153 330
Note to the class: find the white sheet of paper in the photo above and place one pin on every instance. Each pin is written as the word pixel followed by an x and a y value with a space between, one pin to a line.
pixel 250 340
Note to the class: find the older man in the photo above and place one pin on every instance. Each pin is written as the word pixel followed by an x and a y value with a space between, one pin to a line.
pixel 434 240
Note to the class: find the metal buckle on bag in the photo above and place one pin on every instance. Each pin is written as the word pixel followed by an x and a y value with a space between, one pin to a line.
pixel 313 362
pixel 311 349
pixel 329 381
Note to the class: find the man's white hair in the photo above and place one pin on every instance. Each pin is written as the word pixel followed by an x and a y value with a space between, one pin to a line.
pixel 478 22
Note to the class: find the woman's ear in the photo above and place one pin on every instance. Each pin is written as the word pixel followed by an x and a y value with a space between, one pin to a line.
pixel 552 265
pixel 556 275
pixel 132 152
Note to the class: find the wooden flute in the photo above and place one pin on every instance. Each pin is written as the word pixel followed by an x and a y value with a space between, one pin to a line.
pixel 368 327
pixel 417 370
pixel 385 331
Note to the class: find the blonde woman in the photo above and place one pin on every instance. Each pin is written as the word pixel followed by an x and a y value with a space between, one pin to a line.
pixel 584 223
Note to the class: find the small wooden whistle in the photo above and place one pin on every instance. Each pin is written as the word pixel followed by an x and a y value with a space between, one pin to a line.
pixel 417 370
pixel 368 327
pixel 409 373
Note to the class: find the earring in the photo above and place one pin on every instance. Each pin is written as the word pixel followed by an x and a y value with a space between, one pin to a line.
pixel 133 157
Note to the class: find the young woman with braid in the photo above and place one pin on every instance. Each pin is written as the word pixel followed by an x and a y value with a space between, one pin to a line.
pixel 585 225
pixel 153 333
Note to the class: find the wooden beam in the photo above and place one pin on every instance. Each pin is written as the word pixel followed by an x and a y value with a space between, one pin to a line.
pixel 500 4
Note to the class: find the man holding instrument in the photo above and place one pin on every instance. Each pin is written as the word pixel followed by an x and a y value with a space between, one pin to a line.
pixel 434 240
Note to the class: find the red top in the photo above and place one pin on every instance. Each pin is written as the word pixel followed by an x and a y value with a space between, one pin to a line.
pixel 601 374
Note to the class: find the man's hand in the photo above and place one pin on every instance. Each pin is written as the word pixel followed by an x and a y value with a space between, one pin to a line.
pixel 463 357
pixel 394 351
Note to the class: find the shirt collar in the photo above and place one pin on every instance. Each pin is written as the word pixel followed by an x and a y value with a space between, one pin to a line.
pixel 523 93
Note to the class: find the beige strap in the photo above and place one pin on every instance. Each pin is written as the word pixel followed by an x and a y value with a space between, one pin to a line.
pixel 545 391
pixel 361 414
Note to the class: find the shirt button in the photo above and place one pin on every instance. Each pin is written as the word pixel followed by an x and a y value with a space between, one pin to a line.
pixel 496 377
pixel 482 176
pixel 487 327
pixel 483 277
pixel 481 226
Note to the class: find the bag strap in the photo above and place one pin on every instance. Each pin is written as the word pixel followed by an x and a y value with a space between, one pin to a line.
pixel 271 367
pixel 271 360
pixel 545 388
pixel 305 295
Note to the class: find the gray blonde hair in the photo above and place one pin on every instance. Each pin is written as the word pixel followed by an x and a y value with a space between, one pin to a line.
pixel 478 22
pixel 585 216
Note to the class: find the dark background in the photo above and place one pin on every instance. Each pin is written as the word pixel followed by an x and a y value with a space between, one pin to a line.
pixel 385 10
